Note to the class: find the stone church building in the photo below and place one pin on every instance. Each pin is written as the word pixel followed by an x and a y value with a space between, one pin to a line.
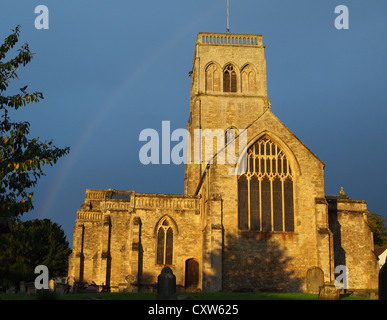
pixel 262 222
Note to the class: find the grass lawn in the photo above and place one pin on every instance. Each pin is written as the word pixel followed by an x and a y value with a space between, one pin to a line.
pixel 193 296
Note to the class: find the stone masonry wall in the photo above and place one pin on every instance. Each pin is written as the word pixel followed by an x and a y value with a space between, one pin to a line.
pixel 257 260
pixel 354 242
pixel 118 246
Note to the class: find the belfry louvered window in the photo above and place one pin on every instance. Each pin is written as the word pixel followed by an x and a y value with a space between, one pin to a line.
pixel 265 190
pixel 229 79
pixel 164 243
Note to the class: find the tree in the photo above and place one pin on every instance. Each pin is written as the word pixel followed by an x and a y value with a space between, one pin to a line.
pixel 32 243
pixel 21 158
pixel 377 224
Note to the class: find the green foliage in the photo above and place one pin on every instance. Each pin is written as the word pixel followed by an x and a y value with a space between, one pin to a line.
pixel 378 225
pixel 21 158
pixel 30 244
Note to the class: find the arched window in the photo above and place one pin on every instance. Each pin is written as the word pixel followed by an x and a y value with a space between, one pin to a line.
pixel 229 79
pixel 265 190
pixel 249 79
pixel 212 78
pixel 164 243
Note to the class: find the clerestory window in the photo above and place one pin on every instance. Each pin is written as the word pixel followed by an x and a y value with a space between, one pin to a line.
pixel 265 190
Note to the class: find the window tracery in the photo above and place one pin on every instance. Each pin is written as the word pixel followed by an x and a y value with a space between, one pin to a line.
pixel 265 190
pixel 229 79
pixel 164 253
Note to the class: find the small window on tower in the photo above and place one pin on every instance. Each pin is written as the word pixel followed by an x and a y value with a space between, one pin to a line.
pixel 229 79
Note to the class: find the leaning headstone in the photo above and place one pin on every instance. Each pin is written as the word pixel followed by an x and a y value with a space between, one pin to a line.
pixel 314 280
pixel 383 282
pixel 329 292
pixel 166 285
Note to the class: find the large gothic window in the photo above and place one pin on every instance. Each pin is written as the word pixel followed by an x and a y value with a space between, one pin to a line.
pixel 212 78
pixel 229 79
pixel 265 190
pixel 164 243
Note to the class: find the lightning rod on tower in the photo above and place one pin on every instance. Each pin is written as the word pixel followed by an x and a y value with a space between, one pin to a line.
pixel 228 16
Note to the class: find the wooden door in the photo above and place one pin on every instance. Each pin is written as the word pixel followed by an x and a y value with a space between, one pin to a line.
pixel 191 274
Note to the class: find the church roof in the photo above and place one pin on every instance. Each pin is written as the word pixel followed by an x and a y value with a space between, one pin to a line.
pixel 118 195
pixel 379 250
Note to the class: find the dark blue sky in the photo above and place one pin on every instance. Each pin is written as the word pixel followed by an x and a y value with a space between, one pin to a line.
pixel 109 69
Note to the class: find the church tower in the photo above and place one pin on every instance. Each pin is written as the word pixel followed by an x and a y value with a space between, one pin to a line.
pixel 228 91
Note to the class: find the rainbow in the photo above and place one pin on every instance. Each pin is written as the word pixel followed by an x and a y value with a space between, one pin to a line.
pixel 101 112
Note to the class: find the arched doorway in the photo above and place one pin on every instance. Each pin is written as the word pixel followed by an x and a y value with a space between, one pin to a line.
pixel 191 274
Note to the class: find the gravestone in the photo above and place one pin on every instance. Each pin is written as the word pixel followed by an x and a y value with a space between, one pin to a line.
pixel 383 282
pixel 166 285
pixel 52 285
pixel 329 292
pixel 22 287
pixel 314 280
